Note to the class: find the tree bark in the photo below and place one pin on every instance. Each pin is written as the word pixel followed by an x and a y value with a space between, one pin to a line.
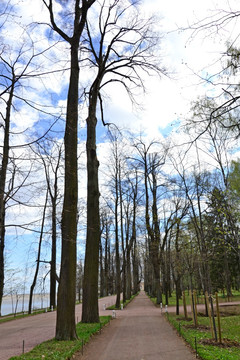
pixel 3 174
pixel 53 259
pixel 53 192
pixel 38 257
pixel 135 261
pixel 128 273
pixel 118 277
pixel 102 283
pixel 122 238
pixel 54 196
pixel 65 328
pixel 90 312
pixel 130 244
pixel 106 261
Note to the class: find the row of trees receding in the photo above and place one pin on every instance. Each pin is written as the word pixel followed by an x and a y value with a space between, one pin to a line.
pixel 157 212
pixel 118 47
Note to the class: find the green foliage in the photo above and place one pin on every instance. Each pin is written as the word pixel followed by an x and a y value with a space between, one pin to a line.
pixel 230 330
pixel 222 221
pixel 234 176
pixel 63 350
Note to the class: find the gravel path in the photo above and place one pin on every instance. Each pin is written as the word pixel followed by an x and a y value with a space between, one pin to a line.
pixel 139 332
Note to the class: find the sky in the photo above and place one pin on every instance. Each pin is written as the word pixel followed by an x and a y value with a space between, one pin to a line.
pixel 167 99
pixel 187 55
pixel 184 54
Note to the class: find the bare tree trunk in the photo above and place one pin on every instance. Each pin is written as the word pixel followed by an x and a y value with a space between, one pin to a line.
pixel 132 242
pixel 227 275
pixel 128 261
pixel 118 275
pixel 53 258
pixel 135 260
pixel 122 238
pixel 106 261
pixel 153 245
pixel 155 240
pixel 176 268
pixel 102 282
pixel 156 272
pixel 90 313
pixel 168 247
pixel 66 328
pixel 3 174
pixel 111 272
pixel 79 279
pixel 115 178
pixel 48 163
pixel 54 197
pixel 129 274
pixel 38 257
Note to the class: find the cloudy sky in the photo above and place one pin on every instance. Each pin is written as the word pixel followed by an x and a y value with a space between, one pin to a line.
pixel 186 54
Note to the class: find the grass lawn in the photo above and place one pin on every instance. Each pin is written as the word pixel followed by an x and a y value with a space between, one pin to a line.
pixel 201 336
pixel 63 350
pixel 200 299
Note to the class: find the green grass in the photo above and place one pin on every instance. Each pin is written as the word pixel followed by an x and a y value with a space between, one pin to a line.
pixel 200 299
pixel 171 300
pixel 63 350
pixel 230 330
pixel 113 307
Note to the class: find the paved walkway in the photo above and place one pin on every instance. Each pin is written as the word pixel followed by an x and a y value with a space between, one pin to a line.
pixel 139 332
pixel 35 329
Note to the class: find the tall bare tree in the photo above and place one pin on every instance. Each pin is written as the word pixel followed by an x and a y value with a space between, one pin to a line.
pixel 3 174
pixel 121 48
pixel 149 163
pixel 105 273
pixel 65 327
pixel 50 154
pixel 38 260
pixel 15 65
pixel 133 198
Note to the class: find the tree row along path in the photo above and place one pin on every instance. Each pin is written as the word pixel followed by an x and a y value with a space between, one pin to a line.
pixel 139 332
